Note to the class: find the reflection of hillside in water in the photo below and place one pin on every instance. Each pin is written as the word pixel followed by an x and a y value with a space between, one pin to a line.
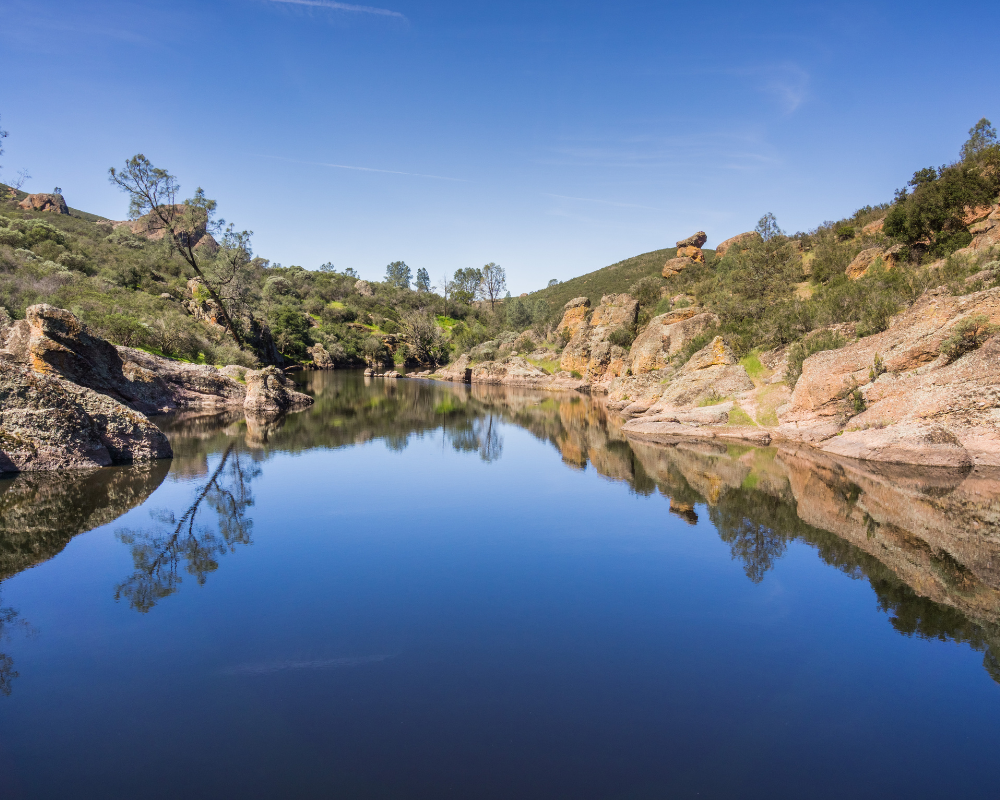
pixel 928 541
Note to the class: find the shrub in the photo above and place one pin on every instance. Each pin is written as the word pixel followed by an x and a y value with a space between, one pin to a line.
pixel 878 368
pixel 857 400
pixel 800 351
pixel 967 335
pixel 646 291
pixel 622 337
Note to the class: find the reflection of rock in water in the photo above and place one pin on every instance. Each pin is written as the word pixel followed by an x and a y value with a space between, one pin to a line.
pixel 41 512
pixel 927 541
pixel 260 428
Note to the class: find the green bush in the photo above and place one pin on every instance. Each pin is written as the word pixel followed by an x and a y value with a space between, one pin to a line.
pixel 646 291
pixel 967 335
pixel 622 337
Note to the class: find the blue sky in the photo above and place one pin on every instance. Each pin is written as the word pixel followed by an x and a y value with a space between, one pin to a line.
pixel 552 138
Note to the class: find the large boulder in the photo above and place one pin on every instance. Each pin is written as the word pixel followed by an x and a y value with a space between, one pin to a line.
pixel 53 341
pixel 574 315
pixel 320 357
pixel 666 335
pixel 268 392
pixel 364 289
pixel 53 203
pixel 986 233
pixel 696 240
pixel 590 353
pixel 740 239
pixel 47 423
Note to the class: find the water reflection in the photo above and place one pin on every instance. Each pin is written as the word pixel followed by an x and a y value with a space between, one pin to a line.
pixel 928 541
pixel 195 540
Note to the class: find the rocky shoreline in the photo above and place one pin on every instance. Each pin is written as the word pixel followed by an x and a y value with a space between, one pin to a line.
pixel 72 400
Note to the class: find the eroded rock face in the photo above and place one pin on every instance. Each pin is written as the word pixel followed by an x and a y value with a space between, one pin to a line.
pixel 711 372
pixel 666 335
pixel 268 392
pixel 590 353
pixel 48 423
pixel 986 233
pixel 574 315
pixel 675 266
pixel 693 253
pixel 364 289
pixel 53 203
pixel 53 341
pixel 739 239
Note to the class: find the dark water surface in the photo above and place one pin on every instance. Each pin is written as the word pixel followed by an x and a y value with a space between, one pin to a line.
pixel 432 590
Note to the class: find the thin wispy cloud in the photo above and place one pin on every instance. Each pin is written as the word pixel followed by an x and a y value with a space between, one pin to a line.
pixel 361 169
pixel 602 202
pixel 332 4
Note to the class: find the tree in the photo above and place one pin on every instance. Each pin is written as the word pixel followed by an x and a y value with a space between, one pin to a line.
pixel 236 274
pixel 553 282
pixel 327 267
pixel 423 280
pixel 494 283
pixel 152 195
pixel 761 275
pixel 446 288
pixel 398 274
pixel 767 227
pixel 466 284
pixel 982 136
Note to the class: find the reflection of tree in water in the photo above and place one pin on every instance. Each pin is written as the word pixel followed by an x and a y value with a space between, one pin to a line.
pixel 8 620
pixel 159 552
pixel 490 440
pixel 756 528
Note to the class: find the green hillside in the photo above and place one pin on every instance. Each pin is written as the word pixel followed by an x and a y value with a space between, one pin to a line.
pixel 607 280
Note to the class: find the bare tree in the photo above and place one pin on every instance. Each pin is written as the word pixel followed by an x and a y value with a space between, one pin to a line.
pixel 235 273
pixel 153 194
pixel 494 283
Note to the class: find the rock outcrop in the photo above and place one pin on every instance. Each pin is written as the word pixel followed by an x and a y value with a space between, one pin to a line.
pixel 986 233
pixel 456 371
pixel 320 357
pixel 696 240
pixel 923 402
pixel 364 289
pixel 740 239
pixel 666 335
pixel 688 253
pixel 53 341
pixel 53 203
pixel 268 392
pixel 867 258
pixel 574 315
pixel 48 423
pixel 590 353
pixel 516 371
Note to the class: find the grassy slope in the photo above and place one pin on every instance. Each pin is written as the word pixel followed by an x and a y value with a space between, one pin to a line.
pixel 607 280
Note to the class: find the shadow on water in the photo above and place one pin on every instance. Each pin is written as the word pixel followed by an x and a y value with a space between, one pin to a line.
pixel 928 541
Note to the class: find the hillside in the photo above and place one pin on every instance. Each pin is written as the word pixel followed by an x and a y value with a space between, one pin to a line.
pixel 613 279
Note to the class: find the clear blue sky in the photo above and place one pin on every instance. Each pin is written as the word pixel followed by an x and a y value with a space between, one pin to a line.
pixel 551 137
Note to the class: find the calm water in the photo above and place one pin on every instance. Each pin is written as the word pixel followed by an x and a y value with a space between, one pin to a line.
pixel 427 590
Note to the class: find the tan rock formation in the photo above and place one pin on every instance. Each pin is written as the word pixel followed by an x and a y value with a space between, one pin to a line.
pixel 864 261
pixel 696 240
pixel 873 227
pixel 53 203
pixel 666 335
pixel 364 289
pixel 739 239
pixel 693 253
pixel 922 407
pixel 589 352
pixel 675 266
pixel 986 233
pixel 574 315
